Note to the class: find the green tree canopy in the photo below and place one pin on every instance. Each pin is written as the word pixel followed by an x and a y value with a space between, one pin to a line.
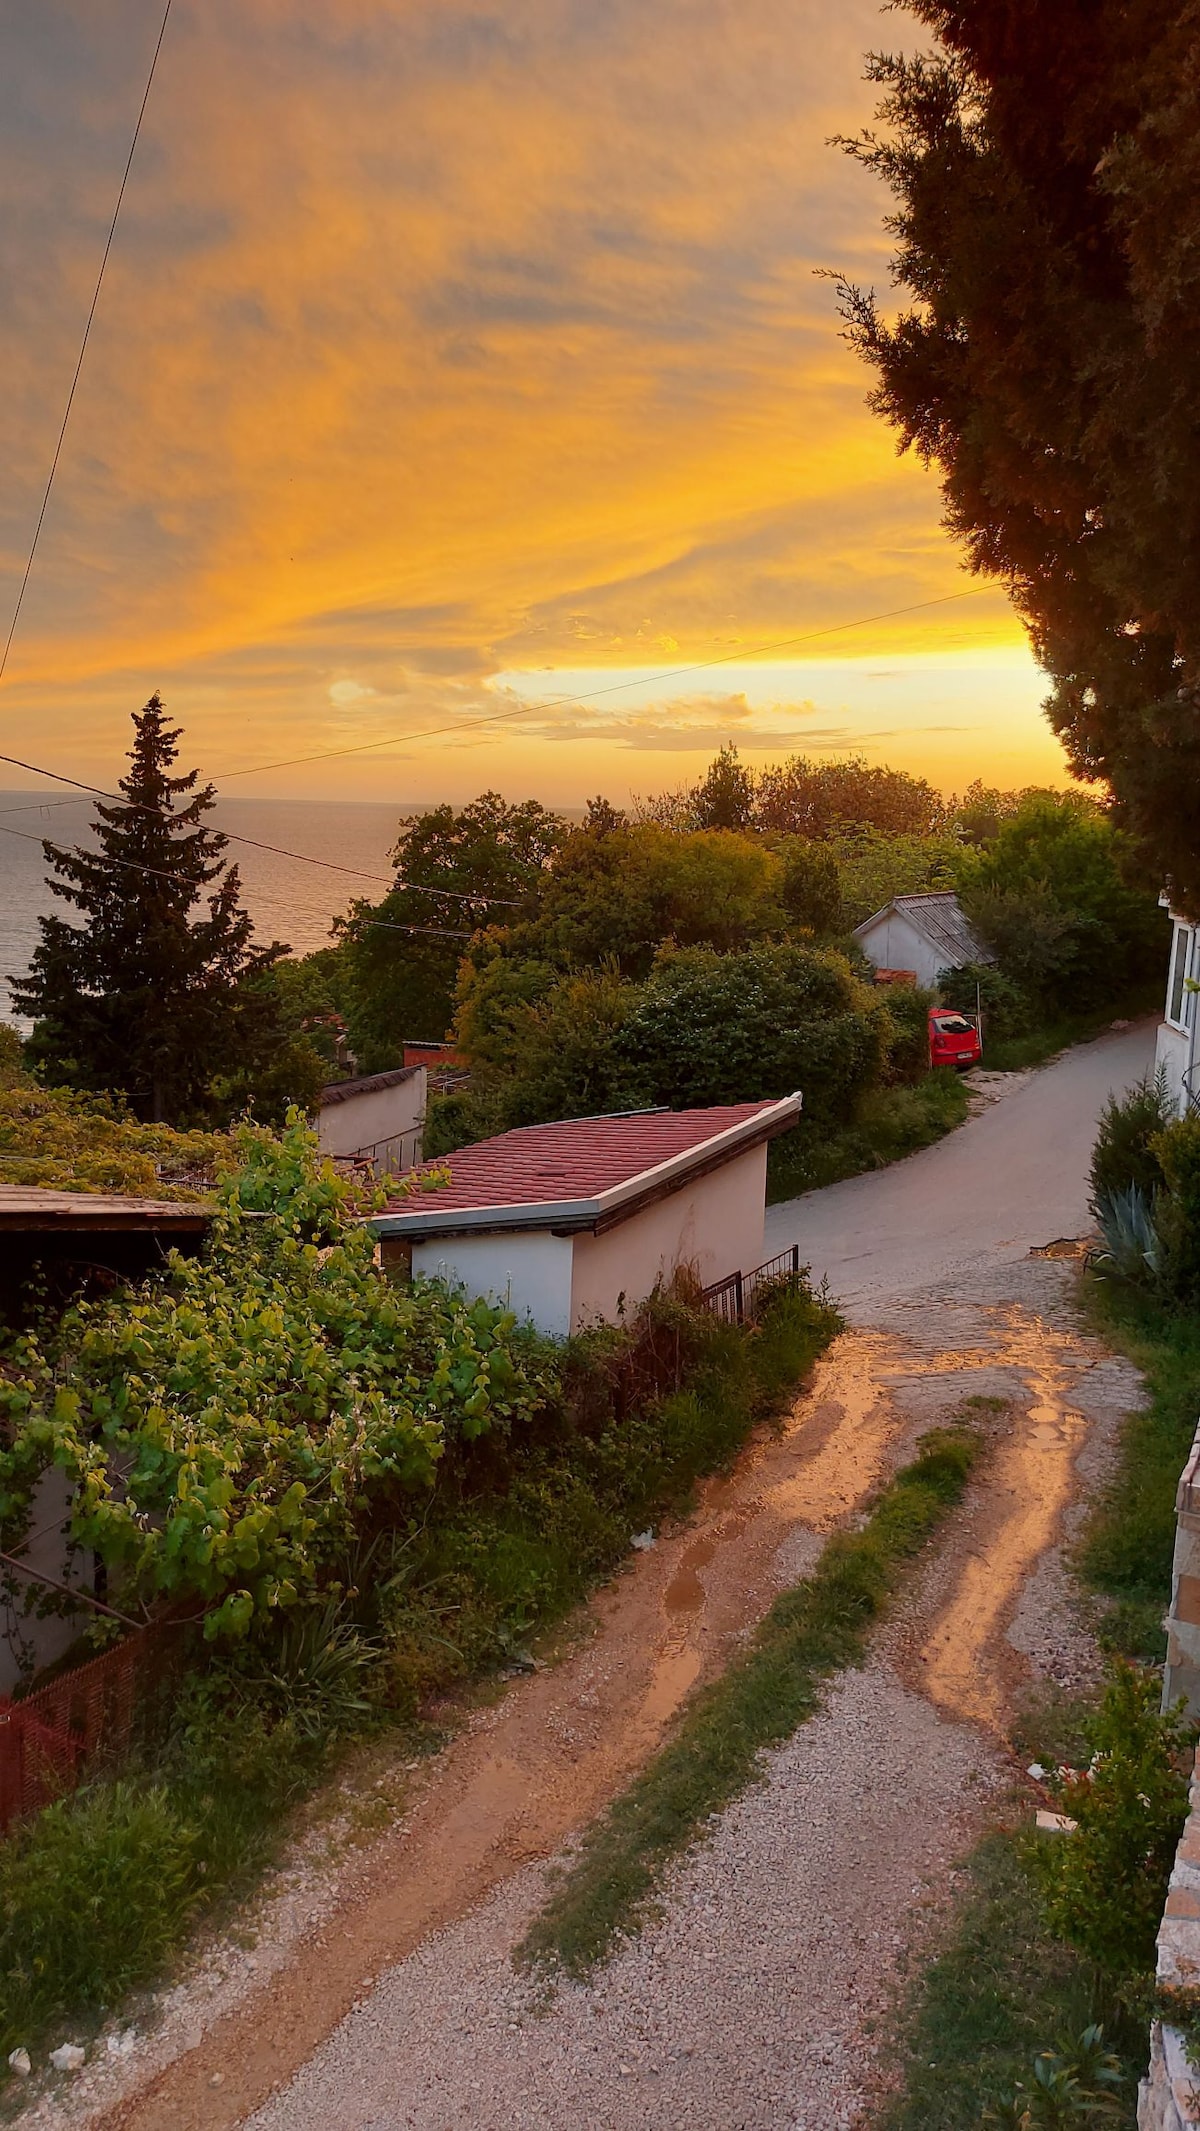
pixel 614 894
pixel 1055 898
pixel 1045 164
pixel 457 871
pixel 815 799
pixel 173 1010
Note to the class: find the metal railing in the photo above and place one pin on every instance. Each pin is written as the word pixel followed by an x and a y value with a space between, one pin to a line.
pixel 740 1297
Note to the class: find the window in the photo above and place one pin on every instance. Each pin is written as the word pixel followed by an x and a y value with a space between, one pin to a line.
pixel 1178 1001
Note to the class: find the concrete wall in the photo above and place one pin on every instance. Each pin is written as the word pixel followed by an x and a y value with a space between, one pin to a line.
pixel 1171 1052
pixel 892 943
pixel 529 1273
pixel 715 1224
pixel 382 1124
pixel 23 1637
pixel 1168 2099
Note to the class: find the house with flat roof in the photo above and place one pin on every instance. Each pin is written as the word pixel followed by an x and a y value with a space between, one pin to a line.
pixel 921 935
pixel 570 1222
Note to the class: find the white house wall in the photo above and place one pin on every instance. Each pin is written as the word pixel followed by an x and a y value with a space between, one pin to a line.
pixel 714 1224
pixel 1176 1049
pixel 384 1124
pixel 892 943
pixel 529 1273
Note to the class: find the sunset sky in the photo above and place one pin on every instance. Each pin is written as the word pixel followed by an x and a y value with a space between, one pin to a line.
pixel 454 359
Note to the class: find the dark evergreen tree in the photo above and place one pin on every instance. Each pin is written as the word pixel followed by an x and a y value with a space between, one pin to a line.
pixel 1045 162
pixel 140 995
pixel 724 798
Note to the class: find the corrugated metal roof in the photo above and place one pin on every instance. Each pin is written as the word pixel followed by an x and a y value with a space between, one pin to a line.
pixel 942 921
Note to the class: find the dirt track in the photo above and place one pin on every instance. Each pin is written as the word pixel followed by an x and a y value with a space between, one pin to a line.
pixel 396 2004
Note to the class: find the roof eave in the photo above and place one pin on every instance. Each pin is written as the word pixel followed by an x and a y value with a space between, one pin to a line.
pixel 608 1208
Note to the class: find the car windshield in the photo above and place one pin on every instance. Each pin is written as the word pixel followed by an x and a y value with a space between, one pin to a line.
pixel 954 1025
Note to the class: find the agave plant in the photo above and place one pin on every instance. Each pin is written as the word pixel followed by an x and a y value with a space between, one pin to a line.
pixel 1131 1249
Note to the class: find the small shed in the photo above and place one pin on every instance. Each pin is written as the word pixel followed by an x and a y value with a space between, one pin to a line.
pixel 1175 1052
pixel 567 1223
pixel 923 934
pixel 378 1119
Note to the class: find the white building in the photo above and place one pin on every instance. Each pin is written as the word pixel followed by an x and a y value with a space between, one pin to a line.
pixel 378 1119
pixel 570 1222
pixel 1175 1052
pixel 921 934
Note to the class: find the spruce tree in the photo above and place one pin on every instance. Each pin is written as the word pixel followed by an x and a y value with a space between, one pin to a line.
pixel 142 995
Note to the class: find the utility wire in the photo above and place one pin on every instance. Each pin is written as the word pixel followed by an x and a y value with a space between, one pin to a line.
pixel 134 865
pixel 112 230
pixel 137 806
pixel 589 695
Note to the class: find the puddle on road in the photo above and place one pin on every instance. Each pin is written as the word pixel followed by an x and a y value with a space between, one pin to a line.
pixel 966 1659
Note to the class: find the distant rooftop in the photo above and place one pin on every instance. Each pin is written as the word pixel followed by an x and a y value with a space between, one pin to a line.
pixel 370 1084
pixel 940 916
pixel 583 1170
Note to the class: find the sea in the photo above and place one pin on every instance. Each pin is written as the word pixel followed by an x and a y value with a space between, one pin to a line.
pixel 289 898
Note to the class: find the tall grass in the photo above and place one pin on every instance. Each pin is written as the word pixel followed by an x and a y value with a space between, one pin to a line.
pixel 1126 1551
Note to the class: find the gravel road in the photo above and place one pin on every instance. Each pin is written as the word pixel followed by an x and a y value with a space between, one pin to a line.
pixel 751 2004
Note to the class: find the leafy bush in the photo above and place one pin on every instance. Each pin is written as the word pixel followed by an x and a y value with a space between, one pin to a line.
pixel 908 1046
pixel 1177 1151
pixel 226 1431
pixel 1105 1885
pixel 92 1896
pixel 1124 1153
pixel 709 1028
pixel 1007 1009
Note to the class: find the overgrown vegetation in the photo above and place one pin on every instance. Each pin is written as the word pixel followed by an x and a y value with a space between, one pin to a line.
pixel 71 1142
pixel 1050 1963
pixel 891 1123
pixel 483 1483
pixel 811 1632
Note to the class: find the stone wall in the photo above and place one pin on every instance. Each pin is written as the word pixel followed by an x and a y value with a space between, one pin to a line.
pixel 1169 2099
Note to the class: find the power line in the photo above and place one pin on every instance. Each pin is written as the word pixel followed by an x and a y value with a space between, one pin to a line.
pixel 112 230
pixel 134 865
pixel 454 895
pixel 589 695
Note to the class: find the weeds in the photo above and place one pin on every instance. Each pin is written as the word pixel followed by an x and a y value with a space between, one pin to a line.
pixel 892 1122
pixel 810 1633
pixel 1127 1546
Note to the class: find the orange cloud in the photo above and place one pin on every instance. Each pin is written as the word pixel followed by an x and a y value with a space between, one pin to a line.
pixel 441 342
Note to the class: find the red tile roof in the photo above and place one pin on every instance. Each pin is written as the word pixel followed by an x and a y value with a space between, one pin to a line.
pixel 575 1161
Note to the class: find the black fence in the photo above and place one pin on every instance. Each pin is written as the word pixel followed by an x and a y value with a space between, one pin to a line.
pixel 740 1298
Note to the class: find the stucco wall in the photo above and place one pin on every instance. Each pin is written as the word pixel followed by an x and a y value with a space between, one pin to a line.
pixel 1171 1047
pixel 384 1123
pixel 530 1274
pixel 715 1224
pixel 893 943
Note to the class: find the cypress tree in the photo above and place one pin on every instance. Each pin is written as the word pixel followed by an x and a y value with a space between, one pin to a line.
pixel 142 995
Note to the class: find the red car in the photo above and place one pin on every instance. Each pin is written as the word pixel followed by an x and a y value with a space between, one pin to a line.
pixel 953 1040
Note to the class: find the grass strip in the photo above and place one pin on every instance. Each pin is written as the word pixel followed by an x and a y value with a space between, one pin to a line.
pixel 810 1633
pixel 1128 1541
pixel 1001 1990
pixel 892 1123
